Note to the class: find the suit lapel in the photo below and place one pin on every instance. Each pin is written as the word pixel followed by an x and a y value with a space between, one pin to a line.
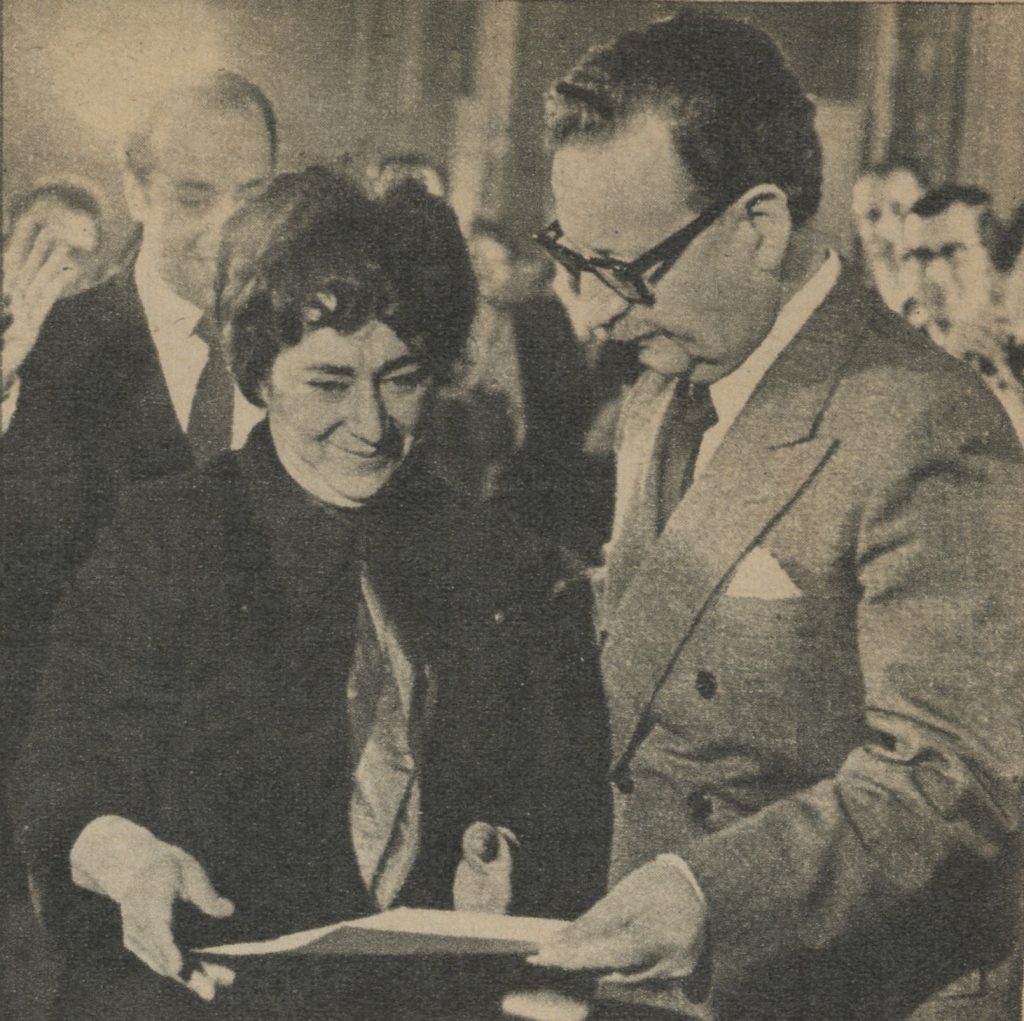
pixel 768 456
pixel 635 528
pixel 159 441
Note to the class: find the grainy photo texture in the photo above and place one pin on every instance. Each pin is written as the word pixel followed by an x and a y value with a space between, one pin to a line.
pixel 511 509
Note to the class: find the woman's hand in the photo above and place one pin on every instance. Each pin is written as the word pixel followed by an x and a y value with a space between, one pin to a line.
pixel 483 880
pixel 146 876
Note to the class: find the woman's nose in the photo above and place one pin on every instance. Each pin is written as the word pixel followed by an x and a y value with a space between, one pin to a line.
pixel 368 420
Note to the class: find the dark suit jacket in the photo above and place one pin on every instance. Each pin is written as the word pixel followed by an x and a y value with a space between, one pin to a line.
pixel 197 687
pixel 93 415
pixel 815 679
pixel 550 485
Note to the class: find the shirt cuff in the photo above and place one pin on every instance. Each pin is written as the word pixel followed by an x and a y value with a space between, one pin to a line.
pixel 9 403
pixel 676 862
pixel 109 853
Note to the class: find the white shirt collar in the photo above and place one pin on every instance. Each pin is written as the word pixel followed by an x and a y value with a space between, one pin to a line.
pixel 731 393
pixel 182 353
pixel 168 314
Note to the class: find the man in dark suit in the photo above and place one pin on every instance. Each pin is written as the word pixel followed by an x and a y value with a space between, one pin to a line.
pixel 119 385
pixel 814 586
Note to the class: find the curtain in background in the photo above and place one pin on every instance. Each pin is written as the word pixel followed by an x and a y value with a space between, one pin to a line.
pixel 948 93
pixel 929 86
pixel 991 151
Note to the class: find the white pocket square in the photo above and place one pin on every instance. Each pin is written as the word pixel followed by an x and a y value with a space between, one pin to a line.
pixel 760 576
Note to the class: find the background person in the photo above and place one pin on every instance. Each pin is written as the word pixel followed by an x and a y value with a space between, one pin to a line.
pixel 118 385
pixel 392 171
pixel 954 251
pixel 52 249
pixel 882 197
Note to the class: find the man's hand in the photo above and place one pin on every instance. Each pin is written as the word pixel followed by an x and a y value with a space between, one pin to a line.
pixel 650 926
pixel 146 876
pixel 37 269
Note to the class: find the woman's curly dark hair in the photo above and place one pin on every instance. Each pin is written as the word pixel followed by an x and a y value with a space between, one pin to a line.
pixel 315 250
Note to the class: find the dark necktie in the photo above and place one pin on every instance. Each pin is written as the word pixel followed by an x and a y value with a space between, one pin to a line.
pixel 688 418
pixel 209 421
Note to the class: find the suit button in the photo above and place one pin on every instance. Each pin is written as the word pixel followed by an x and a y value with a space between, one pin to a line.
pixel 699 805
pixel 623 779
pixel 706 684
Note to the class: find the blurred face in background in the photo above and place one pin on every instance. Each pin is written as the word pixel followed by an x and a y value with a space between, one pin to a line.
pixel 393 174
pixel 206 162
pixel 880 206
pixel 76 234
pixel 1014 294
pixel 493 265
pixel 345 409
pixel 952 271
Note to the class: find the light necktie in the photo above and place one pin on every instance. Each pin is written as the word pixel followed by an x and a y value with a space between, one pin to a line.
pixel 210 418
pixel 688 418
pixel 385 716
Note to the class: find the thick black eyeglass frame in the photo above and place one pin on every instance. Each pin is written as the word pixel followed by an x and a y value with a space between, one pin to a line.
pixel 626 279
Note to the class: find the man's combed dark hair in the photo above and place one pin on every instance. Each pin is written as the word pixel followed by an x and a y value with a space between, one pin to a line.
pixel 739 116
pixel 938 200
pixel 991 231
pixel 314 250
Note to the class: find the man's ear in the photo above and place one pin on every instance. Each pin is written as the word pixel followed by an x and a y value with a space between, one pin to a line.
pixel 136 196
pixel 766 209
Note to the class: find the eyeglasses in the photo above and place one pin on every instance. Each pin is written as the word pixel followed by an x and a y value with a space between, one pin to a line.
pixel 631 281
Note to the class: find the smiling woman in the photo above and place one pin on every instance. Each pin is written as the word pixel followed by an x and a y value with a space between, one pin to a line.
pixel 342 315
pixel 287 686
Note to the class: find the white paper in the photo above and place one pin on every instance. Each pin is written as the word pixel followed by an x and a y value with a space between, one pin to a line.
pixel 445 925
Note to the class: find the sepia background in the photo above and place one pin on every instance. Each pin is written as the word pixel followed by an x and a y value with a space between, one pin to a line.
pixel 463 82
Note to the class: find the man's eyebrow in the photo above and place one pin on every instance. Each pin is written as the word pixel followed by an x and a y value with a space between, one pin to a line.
pixel 256 182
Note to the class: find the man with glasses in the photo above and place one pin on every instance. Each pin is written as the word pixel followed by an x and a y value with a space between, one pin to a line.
pixel 814 583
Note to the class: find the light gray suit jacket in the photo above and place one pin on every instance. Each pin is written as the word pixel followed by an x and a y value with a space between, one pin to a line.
pixel 815 679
